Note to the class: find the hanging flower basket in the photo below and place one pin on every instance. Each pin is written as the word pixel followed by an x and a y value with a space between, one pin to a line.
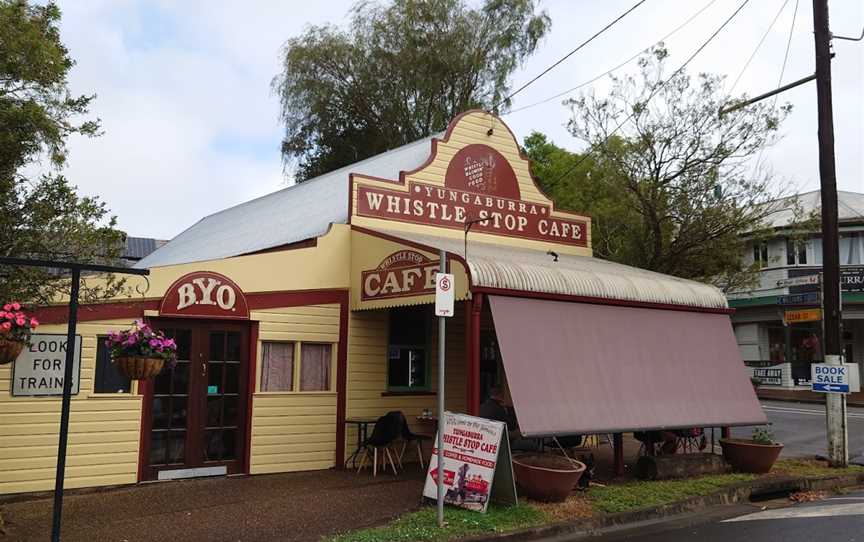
pixel 139 368
pixel 140 352
pixel 15 330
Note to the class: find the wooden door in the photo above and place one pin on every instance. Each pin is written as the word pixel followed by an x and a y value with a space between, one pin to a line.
pixel 196 423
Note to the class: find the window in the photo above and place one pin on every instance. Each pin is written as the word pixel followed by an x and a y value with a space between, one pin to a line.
pixel 315 363
pixel 796 252
pixel 277 367
pixel 407 350
pixel 279 372
pixel 108 377
pixel 760 253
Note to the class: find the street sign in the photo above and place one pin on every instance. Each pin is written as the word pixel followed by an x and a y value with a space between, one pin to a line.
pixel 40 368
pixel 798 281
pixel 827 378
pixel 444 298
pixel 804 315
pixel 809 298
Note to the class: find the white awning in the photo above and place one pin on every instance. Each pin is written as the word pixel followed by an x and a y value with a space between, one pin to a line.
pixel 517 269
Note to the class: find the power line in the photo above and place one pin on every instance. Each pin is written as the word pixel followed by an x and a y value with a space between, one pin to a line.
pixel 607 72
pixel 568 55
pixel 758 46
pixel 657 88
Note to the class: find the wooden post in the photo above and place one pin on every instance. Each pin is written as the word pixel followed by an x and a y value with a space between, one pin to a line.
pixel 618 448
pixel 725 432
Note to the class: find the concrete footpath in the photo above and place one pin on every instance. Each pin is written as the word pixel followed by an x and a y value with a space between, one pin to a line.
pixel 294 506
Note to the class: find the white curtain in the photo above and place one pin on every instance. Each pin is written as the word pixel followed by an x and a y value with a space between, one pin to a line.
pixel 277 367
pixel 315 362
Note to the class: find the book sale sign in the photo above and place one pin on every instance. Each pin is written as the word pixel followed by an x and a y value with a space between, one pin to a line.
pixel 477 466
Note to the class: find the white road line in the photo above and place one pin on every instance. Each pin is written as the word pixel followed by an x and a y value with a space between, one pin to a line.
pixel 820 511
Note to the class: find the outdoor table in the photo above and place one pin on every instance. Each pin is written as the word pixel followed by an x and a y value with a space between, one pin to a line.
pixel 362 434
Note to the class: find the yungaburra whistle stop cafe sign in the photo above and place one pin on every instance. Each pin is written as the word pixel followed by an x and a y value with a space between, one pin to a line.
pixel 204 294
pixel 477 465
pixel 401 274
pixel 40 368
pixel 479 184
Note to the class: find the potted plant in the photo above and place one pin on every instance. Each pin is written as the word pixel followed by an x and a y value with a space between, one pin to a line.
pixel 755 455
pixel 546 477
pixel 15 330
pixel 140 352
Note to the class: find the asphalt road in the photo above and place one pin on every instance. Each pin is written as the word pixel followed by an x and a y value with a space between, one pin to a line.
pixel 836 519
pixel 801 429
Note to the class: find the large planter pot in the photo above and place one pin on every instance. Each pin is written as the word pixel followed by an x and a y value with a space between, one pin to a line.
pixel 746 455
pixel 139 368
pixel 9 350
pixel 546 477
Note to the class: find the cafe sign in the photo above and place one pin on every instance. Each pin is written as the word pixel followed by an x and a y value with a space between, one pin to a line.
pixel 481 185
pixel 401 274
pixel 204 294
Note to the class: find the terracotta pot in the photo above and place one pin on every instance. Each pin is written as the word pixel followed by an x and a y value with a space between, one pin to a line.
pixel 139 368
pixel 9 350
pixel 745 455
pixel 546 477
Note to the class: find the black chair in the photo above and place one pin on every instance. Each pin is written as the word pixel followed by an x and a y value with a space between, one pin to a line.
pixel 408 437
pixel 387 430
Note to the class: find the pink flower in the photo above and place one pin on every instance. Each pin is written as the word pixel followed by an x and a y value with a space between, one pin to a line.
pixel 20 321
pixel 16 306
pixel 33 323
pixel 7 307
pixel 6 326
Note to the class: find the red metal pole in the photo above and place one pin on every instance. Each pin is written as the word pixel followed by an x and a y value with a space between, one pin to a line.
pixel 474 357
pixel 725 432
pixel 618 448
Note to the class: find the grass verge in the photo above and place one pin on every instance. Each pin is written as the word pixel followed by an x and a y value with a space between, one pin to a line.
pixel 633 495
pixel 421 525
pixel 811 467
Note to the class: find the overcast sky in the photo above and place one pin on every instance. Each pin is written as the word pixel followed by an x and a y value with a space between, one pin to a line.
pixel 191 126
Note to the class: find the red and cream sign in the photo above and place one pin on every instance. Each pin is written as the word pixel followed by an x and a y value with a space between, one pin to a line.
pixel 479 184
pixel 401 274
pixel 204 294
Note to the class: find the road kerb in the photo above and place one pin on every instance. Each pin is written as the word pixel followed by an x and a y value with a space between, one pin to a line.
pixel 737 493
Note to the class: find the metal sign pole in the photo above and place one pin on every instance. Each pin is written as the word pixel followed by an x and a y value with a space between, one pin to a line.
pixel 441 344
pixel 67 403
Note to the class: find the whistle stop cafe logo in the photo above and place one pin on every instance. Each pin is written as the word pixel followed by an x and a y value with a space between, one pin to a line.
pixel 403 273
pixel 205 294
pixel 479 184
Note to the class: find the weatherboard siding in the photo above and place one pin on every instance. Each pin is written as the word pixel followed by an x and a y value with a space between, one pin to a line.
pixel 104 429
pixel 295 431
pixel 367 371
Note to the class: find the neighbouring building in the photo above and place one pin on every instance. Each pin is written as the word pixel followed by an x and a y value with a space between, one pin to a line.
pixel 779 351
pixel 299 312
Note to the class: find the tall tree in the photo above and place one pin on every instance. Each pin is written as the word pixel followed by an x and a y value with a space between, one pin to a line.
pixel 399 73
pixel 676 190
pixel 43 217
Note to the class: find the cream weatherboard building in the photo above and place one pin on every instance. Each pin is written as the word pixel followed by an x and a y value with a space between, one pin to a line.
pixel 306 311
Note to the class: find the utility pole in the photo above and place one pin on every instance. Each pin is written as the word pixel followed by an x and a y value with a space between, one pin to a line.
pixel 835 403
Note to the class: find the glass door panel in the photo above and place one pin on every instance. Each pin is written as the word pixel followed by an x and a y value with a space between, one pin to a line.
pixel 222 420
pixel 170 406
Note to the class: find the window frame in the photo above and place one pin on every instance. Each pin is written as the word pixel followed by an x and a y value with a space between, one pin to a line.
pixel 796 251
pixel 427 351
pixel 295 378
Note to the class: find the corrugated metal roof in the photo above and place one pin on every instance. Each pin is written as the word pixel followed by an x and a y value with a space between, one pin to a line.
pixel 139 247
pixel 296 213
pixel 850 208
pixel 498 266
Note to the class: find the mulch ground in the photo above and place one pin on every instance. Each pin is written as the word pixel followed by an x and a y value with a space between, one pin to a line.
pixel 295 506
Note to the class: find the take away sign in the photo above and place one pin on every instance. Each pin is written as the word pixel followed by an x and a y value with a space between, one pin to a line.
pixel 804 315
